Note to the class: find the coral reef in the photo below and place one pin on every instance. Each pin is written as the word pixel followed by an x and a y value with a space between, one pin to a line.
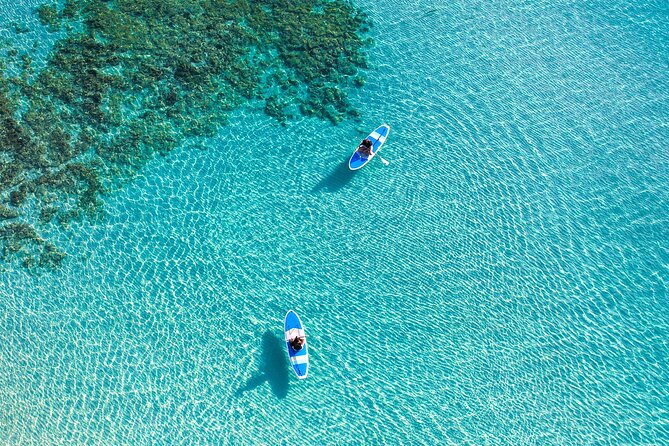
pixel 129 80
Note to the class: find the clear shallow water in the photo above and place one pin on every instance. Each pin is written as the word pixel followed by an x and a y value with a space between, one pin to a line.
pixel 525 261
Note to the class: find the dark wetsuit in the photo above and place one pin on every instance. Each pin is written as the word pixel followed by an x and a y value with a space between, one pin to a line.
pixel 364 150
pixel 296 346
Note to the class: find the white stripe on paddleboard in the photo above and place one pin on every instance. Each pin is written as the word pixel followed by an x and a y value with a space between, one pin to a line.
pixel 375 135
pixel 290 334
pixel 302 359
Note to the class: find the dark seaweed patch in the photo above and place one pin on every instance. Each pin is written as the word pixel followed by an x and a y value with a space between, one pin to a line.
pixel 131 79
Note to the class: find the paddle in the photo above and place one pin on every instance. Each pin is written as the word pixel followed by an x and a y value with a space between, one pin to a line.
pixel 385 163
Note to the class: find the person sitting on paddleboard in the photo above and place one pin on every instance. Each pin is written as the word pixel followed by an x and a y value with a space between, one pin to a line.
pixel 297 343
pixel 365 147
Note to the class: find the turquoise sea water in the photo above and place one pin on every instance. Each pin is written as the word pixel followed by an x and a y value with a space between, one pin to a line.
pixel 502 281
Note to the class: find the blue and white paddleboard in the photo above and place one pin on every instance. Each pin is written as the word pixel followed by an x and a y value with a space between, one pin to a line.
pixel 299 360
pixel 378 137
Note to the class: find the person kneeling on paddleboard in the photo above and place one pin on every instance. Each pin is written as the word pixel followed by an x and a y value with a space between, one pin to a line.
pixel 365 147
pixel 297 343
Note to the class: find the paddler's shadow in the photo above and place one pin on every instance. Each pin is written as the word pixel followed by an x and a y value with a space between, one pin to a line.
pixel 335 180
pixel 274 368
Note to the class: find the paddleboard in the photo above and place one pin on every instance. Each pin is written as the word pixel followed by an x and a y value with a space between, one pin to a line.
pixel 299 360
pixel 378 137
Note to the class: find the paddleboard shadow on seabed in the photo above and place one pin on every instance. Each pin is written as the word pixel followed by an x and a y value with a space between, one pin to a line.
pixel 274 367
pixel 335 180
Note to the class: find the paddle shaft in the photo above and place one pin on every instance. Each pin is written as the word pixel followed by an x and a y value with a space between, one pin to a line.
pixel 385 163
